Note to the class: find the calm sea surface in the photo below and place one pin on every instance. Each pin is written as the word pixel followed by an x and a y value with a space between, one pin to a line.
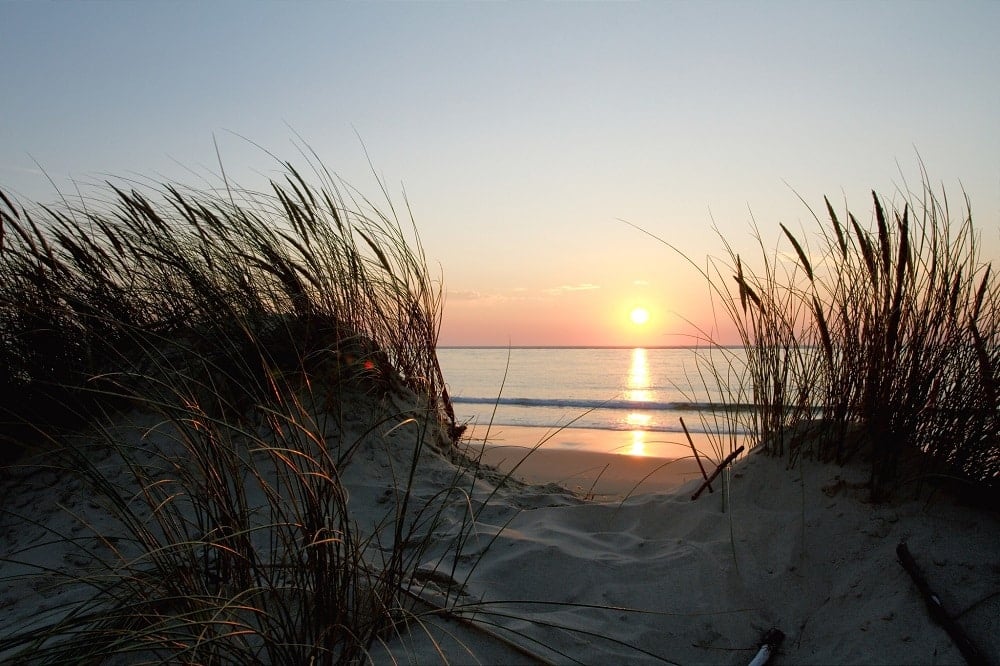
pixel 647 390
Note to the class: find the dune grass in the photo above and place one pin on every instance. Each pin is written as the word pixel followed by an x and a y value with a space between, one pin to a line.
pixel 248 325
pixel 250 282
pixel 876 341
pixel 202 369
pixel 882 339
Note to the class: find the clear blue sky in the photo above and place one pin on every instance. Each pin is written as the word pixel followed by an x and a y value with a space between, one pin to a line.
pixel 522 132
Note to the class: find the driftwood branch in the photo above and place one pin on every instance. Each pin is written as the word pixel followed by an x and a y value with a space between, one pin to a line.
pixel 697 457
pixel 972 655
pixel 718 470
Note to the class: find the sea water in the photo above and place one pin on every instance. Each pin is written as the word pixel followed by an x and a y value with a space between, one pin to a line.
pixel 641 390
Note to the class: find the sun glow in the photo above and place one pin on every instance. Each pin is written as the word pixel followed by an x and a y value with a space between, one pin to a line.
pixel 638 391
pixel 639 316
pixel 637 387
pixel 638 447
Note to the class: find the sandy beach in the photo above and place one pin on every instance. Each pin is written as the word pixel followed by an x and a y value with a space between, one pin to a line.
pixel 547 574
pixel 598 464
pixel 591 474
pixel 409 333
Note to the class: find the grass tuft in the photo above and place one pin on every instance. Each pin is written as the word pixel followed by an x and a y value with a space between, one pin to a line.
pixel 889 336
pixel 878 343
pixel 286 280
pixel 232 351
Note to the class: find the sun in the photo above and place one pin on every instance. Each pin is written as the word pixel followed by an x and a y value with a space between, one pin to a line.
pixel 639 316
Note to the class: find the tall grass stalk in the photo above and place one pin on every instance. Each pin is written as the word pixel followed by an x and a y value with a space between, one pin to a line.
pixel 879 341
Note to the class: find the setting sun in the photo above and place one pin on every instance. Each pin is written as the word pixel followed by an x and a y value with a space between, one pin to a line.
pixel 639 316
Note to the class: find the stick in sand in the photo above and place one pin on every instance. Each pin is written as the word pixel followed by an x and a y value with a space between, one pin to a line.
pixel 718 470
pixel 697 458
pixel 936 608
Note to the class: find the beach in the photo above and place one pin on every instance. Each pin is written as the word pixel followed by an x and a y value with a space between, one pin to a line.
pixel 255 458
pixel 563 574
pixel 599 464
pixel 595 475
pixel 406 333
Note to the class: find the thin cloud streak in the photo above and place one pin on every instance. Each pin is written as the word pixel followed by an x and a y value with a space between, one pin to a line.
pixel 570 288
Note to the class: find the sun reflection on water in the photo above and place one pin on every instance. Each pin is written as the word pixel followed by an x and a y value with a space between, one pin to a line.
pixel 638 419
pixel 637 387
pixel 638 390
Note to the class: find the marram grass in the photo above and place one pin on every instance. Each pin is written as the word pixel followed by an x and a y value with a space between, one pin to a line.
pixel 877 341
pixel 255 331
pixel 249 283
pixel 204 368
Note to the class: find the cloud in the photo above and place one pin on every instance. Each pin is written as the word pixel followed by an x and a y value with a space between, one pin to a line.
pixel 569 288
pixel 475 297
pixel 464 295
pixel 515 294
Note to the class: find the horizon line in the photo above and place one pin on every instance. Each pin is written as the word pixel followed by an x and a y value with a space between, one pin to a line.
pixel 703 346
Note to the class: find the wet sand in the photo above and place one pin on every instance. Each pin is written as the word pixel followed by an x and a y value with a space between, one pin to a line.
pixel 598 463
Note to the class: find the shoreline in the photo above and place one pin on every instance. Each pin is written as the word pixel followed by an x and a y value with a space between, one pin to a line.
pixel 597 476
pixel 599 464
pixel 632 443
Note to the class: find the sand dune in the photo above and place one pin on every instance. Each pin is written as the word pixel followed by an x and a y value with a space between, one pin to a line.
pixel 656 577
pixel 800 550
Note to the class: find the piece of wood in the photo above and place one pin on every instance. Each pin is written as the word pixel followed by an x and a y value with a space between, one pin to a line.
pixel 718 470
pixel 697 457
pixel 964 644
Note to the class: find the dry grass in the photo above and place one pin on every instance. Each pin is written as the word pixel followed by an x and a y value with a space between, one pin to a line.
pixel 887 333
pixel 234 352
pixel 245 322
pixel 878 341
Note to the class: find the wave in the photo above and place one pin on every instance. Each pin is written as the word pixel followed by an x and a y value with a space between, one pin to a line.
pixel 694 428
pixel 630 405
pixel 583 424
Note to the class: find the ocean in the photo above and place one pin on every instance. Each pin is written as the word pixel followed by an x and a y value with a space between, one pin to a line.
pixel 640 392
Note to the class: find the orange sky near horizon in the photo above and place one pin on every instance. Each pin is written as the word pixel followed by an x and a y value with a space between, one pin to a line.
pixel 585 317
pixel 581 290
pixel 547 324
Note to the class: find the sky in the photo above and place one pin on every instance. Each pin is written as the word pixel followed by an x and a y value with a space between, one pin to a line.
pixel 527 138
